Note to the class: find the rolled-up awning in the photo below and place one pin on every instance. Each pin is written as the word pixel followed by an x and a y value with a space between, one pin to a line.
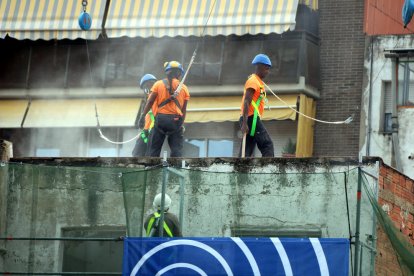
pixel 222 109
pixel 81 113
pixel 12 113
pixel 58 19
pixel 123 112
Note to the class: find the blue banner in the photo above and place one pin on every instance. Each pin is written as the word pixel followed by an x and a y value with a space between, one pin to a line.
pixel 236 256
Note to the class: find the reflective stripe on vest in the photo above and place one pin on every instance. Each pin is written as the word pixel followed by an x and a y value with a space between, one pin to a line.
pixel 144 136
pixel 256 113
pixel 256 108
pixel 151 222
pixel 152 119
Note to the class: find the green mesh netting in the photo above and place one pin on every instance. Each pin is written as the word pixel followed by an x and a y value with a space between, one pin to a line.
pixel 401 245
pixel 62 201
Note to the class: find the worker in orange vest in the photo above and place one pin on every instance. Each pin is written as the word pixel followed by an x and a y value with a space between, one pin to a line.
pixel 252 108
pixel 171 111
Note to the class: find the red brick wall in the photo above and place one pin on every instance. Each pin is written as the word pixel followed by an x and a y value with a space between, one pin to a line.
pixel 396 192
pixel 384 17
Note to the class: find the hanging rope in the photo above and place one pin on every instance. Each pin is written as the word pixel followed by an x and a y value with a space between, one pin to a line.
pixel 347 121
pixel 177 91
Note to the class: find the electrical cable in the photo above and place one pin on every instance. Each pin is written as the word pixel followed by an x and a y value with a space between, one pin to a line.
pixel 347 121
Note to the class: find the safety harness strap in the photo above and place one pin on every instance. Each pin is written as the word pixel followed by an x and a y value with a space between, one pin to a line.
pixel 151 222
pixel 256 107
pixel 255 115
pixel 171 98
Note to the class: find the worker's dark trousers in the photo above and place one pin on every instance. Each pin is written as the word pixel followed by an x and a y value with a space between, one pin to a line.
pixel 167 125
pixel 261 138
pixel 140 148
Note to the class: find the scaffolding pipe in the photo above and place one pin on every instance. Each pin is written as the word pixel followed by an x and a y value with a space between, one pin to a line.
pixel 182 185
pixel 181 215
pixel 358 219
pixel 163 190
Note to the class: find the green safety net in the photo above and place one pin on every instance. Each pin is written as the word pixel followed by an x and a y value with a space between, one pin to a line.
pixel 90 201
pixel 403 248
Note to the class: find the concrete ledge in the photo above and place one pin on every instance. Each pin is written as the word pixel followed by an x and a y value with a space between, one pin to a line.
pixel 239 164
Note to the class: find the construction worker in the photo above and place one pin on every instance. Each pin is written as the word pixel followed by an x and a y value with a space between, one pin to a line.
pixel 252 108
pixel 140 149
pixel 171 225
pixel 171 111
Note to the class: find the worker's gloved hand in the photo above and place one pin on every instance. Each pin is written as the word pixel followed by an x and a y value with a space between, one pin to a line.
pixel 141 122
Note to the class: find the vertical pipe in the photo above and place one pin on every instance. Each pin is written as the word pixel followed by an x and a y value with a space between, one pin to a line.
pixel 29 62
pixel 394 85
pixel 104 35
pixel 181 216
pixel 124 191
pixel 163 190
pixel 358 218
pixel 144 192
pixel 360 261
pixel 368 146
pixel 221 62
pixel 65 80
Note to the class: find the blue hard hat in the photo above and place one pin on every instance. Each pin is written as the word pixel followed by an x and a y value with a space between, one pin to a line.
pixel 85 21
pixel 262 59
pixel 145 78
pixel 173 64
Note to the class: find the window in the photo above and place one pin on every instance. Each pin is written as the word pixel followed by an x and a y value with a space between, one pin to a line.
pixel 199 146
pixel 47 152
pixel 92 256
pixel 387 108
pixel 406 84
pixel 212 147
pixel 220 148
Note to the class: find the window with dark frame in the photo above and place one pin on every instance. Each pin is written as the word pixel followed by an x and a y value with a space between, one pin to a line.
pixel 387 108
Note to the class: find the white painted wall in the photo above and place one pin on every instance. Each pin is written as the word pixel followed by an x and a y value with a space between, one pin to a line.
pixel 380 143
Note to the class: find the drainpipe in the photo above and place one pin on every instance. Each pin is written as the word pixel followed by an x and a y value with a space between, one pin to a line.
pixel 357 224
pixel 368 146
pixel 394 86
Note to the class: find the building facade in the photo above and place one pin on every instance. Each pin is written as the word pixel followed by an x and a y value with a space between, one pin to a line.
pixel 387 98
pixel 50 85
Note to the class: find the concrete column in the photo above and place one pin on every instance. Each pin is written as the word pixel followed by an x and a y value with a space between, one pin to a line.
pixel 6 152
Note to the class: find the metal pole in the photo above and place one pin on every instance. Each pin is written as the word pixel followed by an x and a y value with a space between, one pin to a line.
pixel 358 218
pixel 163 190
pixel 360 261
pixel 394 91
pixel 181 216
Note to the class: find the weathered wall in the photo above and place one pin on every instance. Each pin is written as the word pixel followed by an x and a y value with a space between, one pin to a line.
pixel 6 151
pixel 397 198
pixel 231 197
pixel 342 55
pixel 380 144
